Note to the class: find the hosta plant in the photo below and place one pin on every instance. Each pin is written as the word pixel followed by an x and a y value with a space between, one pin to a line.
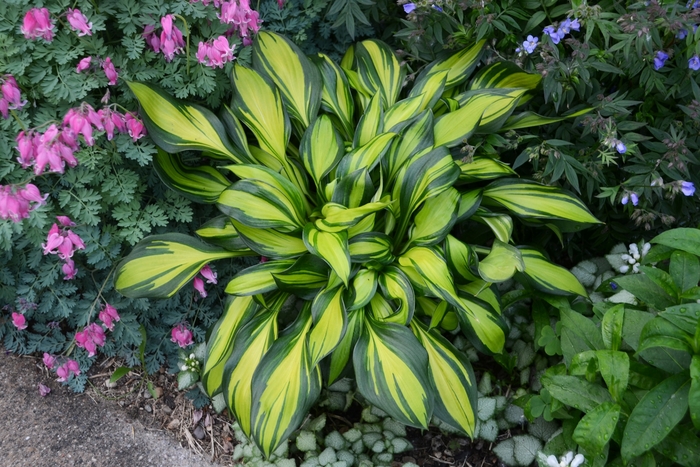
pixel 349 186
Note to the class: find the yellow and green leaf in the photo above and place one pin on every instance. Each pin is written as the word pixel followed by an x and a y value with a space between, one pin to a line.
pixel 459 66
pixel 336 96
pixel 177 126
pixel 531 200
pixel 549 277
pixel 378 70
pixel 435 219
pixel 501 263
pixel 391 372
pixel 220 231
pixel 413 140
pixel 330 321
pixel 461 259
pixel 371 246
pixel 505 75
pixel 282 62
pixel 484 327
pixel 363 288
pixel 257 279
pixel 304 278
pixel 396 286
pixel 202 184
pixel 366 156
pixel 321 148
pixel 483 168
pixel 285 386
pixel 269 242
pixel 341 355
pixel 332 247
pixel 160 265
pixel 337 217
pixel 468 204
pixel 237 312
pixel 371 123
pixel 453 379
pixel 500 224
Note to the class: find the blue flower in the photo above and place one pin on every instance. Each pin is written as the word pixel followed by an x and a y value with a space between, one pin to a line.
pixel 409 7
pixel 565 27
pixel 694 63
pixel 682 34
pixel 660 59
pixel 575 25
pixel 553 34
pixel 437 8
pixel 530 44
pixel 634 198
pixel 620 147
pixel 688 188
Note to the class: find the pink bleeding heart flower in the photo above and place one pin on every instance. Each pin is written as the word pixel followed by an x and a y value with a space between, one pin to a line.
pixel 68 369
pixel 151 37
pixel 37 23
pixel 19 321
pixel 79 22
pixel 49 361
pixel 73 366
pixel 90 338
pixel 69 270
pixel 134 127
pixel 208 274
pixel 83 64
pixel 108 315
pixel 4 108
pixel 25 146
pixel 65 221
pixel 181 335
pixel 11 93
pixel 44 390
pixel 171 40
pixel 110 71
pixel 31 193
pixel 199 287
pixel 13 206
pixel 53 241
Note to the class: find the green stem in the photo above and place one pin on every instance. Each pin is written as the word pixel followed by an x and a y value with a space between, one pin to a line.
pixel 187 45
pixel 16 117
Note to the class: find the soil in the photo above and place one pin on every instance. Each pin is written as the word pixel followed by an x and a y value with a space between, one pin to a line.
pixel 123 425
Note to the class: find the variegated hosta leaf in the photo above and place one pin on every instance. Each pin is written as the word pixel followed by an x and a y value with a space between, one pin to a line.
pixel 160 265
pixel 453 379
pixel 396 286
pixel 435 219
pixel 304 278
pixel 261 205
pixel 337 217
pixel 282 62
pixel 483 291
pixel 500 224
pixel 330 320
pixel 336 97
pixel 366 156
pixel 220 231
pixel 363 288
pixel 321 148
pixel 484 327
pixel 468 204
pixel 277 181
pixel 249 345
pixel 378 70
pixel 202 184
pixel 532 200
pixel 496 114
pixel 371 123
pixel 422 178
pixel 237 312
pixel 461 259
pixel 436 309
pixel 237 134
pixel 401 113
pixel 501 263
pixel 459 66
pixel 504 75
pixel 433 269
pixel 429 89
pixel 259 106
pixel 549 277
pixel 482 108
pixel 341 355
pixel 269 242
pixel 354 189
pixel 391 372
pixel 530 119
pixel 331 247
pixel 413 140
pixel 483 168
pixel 371 246
pixel 257 279
pixel 176 126
pixel 285 386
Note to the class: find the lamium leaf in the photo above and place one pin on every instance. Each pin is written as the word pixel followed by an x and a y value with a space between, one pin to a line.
pixel 532 200
pixel 453 380
pixel 250 343
pixel 653 418
pixel 282 62
pixel 285 385
pixel 549 277
pixel 202 184
pixel 237 312
pixel 330 321
pixel 391 372
pixel 160 265
pixel 177 126
pixel 259 106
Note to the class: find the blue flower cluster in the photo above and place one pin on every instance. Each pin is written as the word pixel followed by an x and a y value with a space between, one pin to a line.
pixel 556 35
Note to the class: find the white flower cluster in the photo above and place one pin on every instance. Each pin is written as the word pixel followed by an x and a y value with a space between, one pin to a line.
pixel 567 460
pixel 634 258
pixel 191 364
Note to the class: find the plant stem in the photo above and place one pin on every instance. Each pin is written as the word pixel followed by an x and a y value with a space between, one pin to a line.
pixel 187 44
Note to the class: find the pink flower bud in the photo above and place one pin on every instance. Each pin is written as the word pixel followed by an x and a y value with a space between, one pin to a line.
pixel 199 287
pixel 79 22
pixel 69 270
pixel 11 92
pixel 108 315
pixel 83 64
pixel 31 193
pixel 208 274
pixel 110 71
pixel 65 221
pixel 25 146
pixel 181 336
pixel 135 128
pixel 4 108
pixel 19 321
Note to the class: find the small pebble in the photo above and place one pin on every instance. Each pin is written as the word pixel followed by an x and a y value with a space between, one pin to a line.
pixel 147 408
pixel 173 424
pixel 110 385
pixel 158 391
pixel 167 410
pixel 199 432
